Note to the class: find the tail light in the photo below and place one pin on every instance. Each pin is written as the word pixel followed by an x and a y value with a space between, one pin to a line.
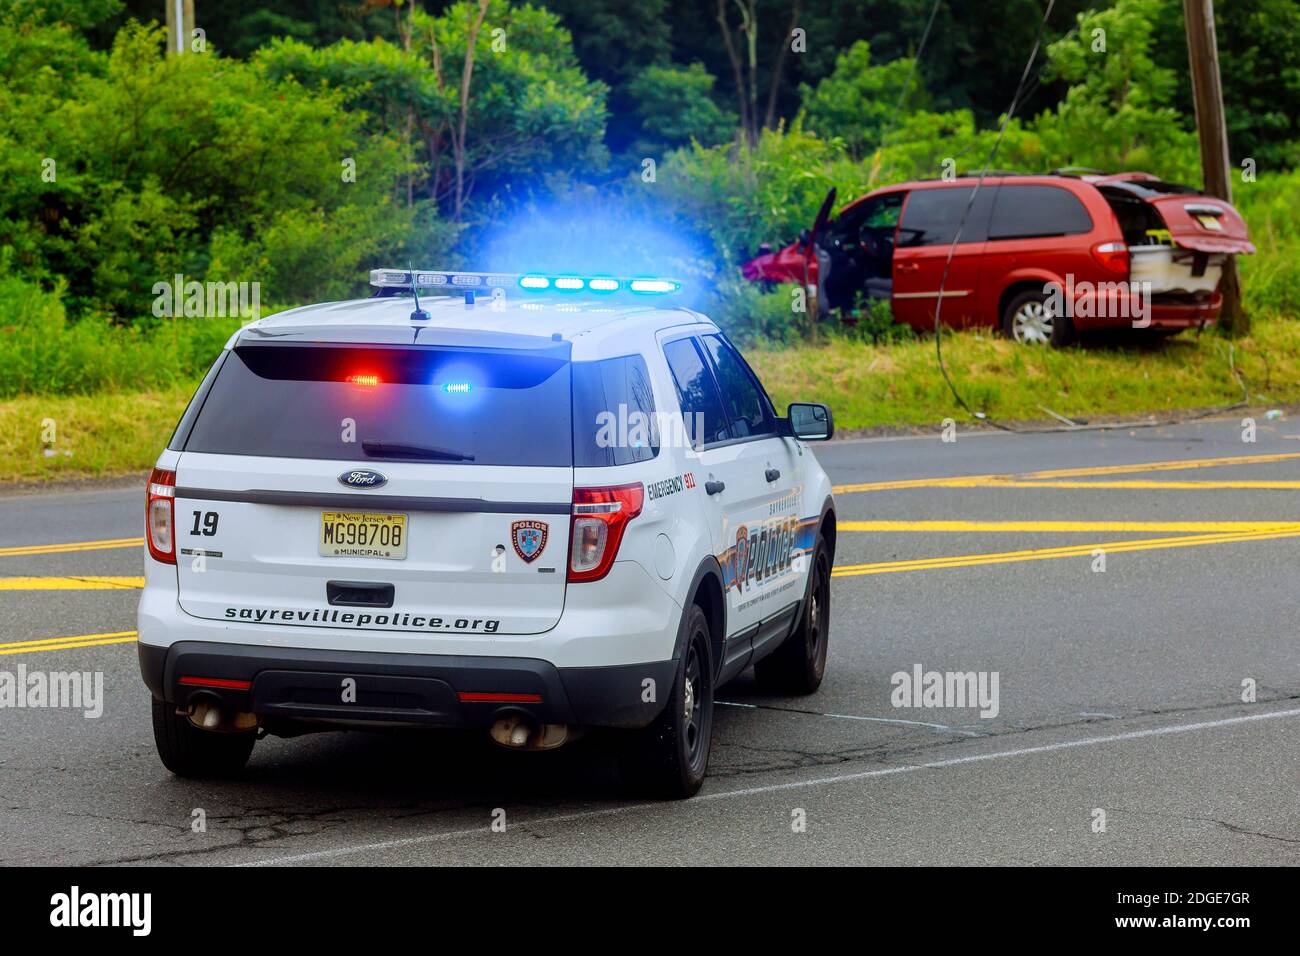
pixel 599 517
pixel 160 516
pixel 1112 256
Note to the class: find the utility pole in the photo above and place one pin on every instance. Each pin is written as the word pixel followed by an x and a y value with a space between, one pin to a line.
pixel 180 25
pixel 1212 131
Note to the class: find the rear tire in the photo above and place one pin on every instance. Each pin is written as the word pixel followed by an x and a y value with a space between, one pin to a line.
pixel 799 664
pixel 187 751
pixel 668 759
pixel 1029 320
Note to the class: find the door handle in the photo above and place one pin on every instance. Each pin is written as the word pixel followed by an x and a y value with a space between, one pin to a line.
pixel 908 267
pixel 772 474
pixel 713 487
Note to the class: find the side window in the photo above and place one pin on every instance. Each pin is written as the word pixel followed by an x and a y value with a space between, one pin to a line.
pixel 882 212
pixel 931 216
pixel 1037 212
pixel 746 409
pixel 613 413
pixel 696 392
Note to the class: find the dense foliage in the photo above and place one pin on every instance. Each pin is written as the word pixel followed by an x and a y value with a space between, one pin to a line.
pixel 300 143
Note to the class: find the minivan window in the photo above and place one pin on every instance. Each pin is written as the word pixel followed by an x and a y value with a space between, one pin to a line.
pixel 696 392
pixel 613 413
pixel 426 404
pixel 748 413
pixel 879 214
pixel 931 216
pixel 1035 212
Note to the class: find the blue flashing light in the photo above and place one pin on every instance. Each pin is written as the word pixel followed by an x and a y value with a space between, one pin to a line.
pixel 456 388
pixel 602 285
pixel 569 283
pixel 534 282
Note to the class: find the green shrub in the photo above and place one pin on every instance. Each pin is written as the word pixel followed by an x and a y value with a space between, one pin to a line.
pixel 751 316
pixel 1271 277
pixel 42 352
pixel 156 157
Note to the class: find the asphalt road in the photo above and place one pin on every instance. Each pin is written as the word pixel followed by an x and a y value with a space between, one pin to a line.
pixel 1119 691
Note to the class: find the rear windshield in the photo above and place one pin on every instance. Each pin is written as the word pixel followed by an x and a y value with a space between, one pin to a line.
pixel 471 406
pixel 1139 220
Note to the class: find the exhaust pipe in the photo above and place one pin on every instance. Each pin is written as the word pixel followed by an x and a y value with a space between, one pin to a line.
pixel 518 732
pixel 206 714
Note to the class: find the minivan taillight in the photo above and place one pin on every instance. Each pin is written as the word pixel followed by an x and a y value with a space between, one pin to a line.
pixel 1112 256
pixel 599 517
pixel 160 516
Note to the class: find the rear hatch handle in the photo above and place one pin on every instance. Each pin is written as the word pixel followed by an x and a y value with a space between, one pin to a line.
pixel 359 594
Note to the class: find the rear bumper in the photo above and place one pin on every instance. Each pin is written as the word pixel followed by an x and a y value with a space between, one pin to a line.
pixel 1165 312
pixel 433 690
pixel 1185 314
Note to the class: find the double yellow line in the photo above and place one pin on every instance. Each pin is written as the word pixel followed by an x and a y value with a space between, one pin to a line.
pixel 1050 479
pixel 63 643
pixel 29 549
pixel 72 583
pixel 926 526
pixel 1068 551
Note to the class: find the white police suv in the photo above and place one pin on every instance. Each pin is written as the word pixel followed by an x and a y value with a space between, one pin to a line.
pixel 537 505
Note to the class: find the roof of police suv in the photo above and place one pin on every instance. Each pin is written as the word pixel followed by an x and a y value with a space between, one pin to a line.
pixel 516 322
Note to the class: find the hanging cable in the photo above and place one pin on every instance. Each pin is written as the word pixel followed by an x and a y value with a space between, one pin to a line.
pixel 1016 100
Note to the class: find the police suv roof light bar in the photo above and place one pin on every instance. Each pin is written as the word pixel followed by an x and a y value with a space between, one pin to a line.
pixel 457 282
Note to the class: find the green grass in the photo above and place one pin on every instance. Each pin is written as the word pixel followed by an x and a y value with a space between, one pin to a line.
pixel 112 434
pixel 114 394
pixel 899 385
pixel 94 435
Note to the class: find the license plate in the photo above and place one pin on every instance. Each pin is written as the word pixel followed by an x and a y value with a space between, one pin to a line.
pixel 362 534
pixel 1211 222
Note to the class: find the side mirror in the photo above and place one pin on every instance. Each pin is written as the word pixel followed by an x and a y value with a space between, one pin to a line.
pixel 810 421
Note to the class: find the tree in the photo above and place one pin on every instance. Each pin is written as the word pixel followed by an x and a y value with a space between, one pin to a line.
pixel 1118 112
pixel 857 102
pixel 676 108
pixel 615 41
pixel 159 161
pixel 1259 60
pixel 520 104
pixel 239 28
pixel 490 93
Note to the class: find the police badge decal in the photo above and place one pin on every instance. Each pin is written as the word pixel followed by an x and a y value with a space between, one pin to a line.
pixel 529 538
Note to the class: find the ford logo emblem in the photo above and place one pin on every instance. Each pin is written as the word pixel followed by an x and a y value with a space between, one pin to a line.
pixel 362 478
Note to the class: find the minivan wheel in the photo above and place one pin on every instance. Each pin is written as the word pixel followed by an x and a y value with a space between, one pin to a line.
pixel 1030 320
pixel 668 759
pixel 189 751
pixel 799 664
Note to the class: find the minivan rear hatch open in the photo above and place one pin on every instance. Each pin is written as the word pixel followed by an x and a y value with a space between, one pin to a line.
pixel 1178 238
pixel 420 488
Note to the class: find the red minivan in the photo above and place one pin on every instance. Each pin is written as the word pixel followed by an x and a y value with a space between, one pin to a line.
pixel 1039 256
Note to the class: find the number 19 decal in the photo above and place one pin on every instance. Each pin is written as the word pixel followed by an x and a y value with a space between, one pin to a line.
pixel 209 521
